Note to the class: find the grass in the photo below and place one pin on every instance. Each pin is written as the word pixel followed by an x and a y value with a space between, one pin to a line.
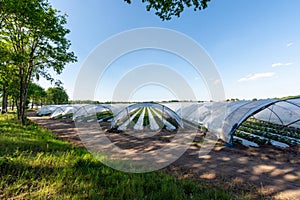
pixel 36 165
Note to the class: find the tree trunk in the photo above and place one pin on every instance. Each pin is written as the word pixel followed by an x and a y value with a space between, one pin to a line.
pixel 37 103
pixel 13 104
pixel 21 107
pixel 4 100
pixel 23 103
pixel 20 94
pixel 24 82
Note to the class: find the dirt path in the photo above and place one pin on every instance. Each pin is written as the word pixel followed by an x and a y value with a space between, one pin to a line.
pixel 274 171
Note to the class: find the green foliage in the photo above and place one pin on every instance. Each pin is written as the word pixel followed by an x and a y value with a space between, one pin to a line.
pixel 83 102
pixel 289 97
pixel 136 118
pixel 36 165
pixel 255 139
pixel 157 119
pixel 33 37
pixel 105 115
pixel 169 8
pixel 262 132
pixel 36 93
pixel 146 121
pixel 56 95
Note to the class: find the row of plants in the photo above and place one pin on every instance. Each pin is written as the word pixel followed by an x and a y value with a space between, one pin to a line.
pixel 105 115
pixel 267 124
pixel 262 132
pixel 168 118
pixel 100 116
pixel 157 119
pixel 146 121
pixel 276 129
pixel 63 116
pixel 280 131
pixel 172 121
pixel 136 114
pixel 267 135
pixel 155 114
pixel 136 117
pixel 252 138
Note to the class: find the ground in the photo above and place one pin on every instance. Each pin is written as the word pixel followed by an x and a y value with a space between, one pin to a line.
pixel 275 172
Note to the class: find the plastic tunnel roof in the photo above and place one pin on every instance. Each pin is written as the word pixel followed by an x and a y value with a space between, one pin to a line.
pixel 47 109
pixel 223 118
pixel 220 118
pixel 238 112
pixel 285 113
pixel 64 110
pixel 90 109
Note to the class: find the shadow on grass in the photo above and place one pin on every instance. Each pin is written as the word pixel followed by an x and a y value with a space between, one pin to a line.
pixel 86 178
pixel 35 165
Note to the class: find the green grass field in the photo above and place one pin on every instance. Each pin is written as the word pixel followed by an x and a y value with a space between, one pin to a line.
pixel 35 164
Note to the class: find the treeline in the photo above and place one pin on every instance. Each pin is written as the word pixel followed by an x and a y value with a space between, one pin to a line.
pixel 289 97
pixel 83 102
pixel 37 96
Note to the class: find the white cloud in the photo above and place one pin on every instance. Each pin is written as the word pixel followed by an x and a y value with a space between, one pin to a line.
pixel 257 76
pixel 289 44
pixel 217 81
pixel 281 64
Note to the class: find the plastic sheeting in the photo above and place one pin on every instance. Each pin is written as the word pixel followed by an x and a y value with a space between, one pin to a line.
pixel 47 110
pixel 286 113
pixel 63 110
pixel 220 118
pixel 223 118
pixel 90 110
pixel 157 115
pixel 234 117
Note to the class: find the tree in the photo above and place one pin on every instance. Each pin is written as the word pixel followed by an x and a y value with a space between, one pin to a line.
pixel 36 93
pixel 57 95
pixel 6 75
pixel 166 9
pixel 34 35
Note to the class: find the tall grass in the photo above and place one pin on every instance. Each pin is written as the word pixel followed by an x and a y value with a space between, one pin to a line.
pixel 35 164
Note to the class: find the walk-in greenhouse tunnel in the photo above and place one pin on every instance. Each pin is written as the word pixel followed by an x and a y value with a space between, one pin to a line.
pixel 250 123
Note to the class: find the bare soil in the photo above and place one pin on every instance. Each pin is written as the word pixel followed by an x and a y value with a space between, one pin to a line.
pixel 265 172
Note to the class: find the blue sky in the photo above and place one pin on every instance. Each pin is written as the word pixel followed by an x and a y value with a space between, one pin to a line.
pixel 255 44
